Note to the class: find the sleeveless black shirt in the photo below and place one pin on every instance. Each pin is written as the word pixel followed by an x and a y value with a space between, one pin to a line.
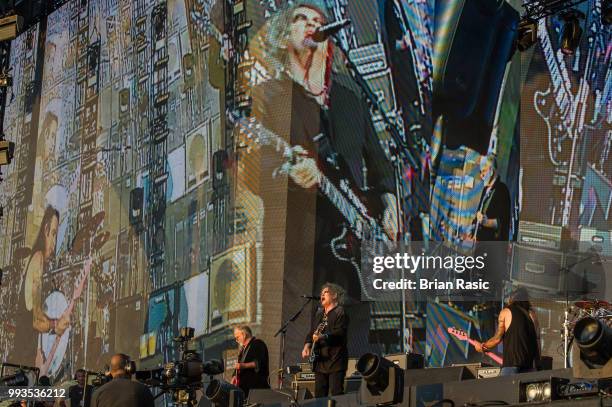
pixel 520 339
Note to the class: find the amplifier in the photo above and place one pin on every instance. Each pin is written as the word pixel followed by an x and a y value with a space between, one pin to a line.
pixel 543 236
pixel 487 372
pixel 537 268
pixel 351 384
pixel 407 360
pixel 599 241
pixel 304 376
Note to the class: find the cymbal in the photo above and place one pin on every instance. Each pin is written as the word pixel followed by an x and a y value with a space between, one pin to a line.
pixel 591 304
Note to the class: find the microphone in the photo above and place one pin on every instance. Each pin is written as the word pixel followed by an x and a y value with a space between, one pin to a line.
pixel 323 32
pixel 311 297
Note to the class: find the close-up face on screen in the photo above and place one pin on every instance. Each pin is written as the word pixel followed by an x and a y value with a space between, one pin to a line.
pixel 249 202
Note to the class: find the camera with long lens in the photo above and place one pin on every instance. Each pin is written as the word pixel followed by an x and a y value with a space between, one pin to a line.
pixel 17 376
pixel 182 377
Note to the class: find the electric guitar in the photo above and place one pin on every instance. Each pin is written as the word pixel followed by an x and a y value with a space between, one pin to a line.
pixel 314 352
pixel 358 219
pixel 51 362
pixel 461 335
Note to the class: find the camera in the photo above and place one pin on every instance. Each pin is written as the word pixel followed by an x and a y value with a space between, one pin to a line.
pixel 182 377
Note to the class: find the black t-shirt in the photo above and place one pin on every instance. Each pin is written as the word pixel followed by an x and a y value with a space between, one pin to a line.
pixel 121 392
pixel 256 351
pixel 75 394
pixel 333 351
pixel 520 339
pixel 497 206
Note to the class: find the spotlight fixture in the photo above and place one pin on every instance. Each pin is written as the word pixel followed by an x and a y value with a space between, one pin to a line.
pixel 382 381
pixel 571 32
pixel 527 34
pixel 223 394
pixel 7 149
pixel 593 355
pixel 6 80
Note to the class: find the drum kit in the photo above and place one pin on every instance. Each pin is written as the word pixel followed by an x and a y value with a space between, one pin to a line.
pixel 597 309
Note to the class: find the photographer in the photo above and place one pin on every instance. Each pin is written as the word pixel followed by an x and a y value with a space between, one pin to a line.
pixel 122 391
pixel 80 393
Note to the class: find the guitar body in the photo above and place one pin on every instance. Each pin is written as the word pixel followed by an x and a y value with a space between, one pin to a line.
pixel 314 351
pixel 54 306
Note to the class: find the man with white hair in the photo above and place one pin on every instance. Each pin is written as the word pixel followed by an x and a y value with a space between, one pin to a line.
pixel 252 368
pixel 493 216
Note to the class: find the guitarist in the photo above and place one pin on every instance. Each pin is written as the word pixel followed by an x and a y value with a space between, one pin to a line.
pixel 328 337
pixel 252 368
pixel 31 320
pixel 518 329
pixel 493 217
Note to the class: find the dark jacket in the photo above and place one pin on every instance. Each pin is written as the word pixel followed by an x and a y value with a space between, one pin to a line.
pixel 332 348
pixel 256 351
pixel 121 392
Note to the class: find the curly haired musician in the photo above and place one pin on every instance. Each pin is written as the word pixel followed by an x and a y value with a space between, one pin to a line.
pixel 328 338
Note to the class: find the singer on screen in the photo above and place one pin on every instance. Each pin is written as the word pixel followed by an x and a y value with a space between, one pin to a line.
pixel 311 103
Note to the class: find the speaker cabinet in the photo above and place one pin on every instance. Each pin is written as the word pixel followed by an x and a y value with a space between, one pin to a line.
pixel 537 268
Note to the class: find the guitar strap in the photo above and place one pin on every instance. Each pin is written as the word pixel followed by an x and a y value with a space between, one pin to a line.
pixel 245 350
pixel 486 198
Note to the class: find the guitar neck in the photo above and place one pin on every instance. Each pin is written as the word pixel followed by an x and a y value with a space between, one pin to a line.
pixel 492 355
pixel 358 218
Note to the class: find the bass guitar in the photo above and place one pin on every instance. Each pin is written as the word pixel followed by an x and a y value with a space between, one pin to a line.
pixel 461 335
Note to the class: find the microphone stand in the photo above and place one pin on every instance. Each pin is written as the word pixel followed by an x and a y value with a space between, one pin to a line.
pixel 394 149
pixel 283 332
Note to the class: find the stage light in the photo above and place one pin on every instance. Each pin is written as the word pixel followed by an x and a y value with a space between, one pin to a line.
pixel 7 149
pixel 537 392
pixel 382 381
pixel 571 32
pixel 6 80
pixel 10 27
pixel 593 354
pixel 223 394
pixel 606 12
pixel 527 34
pixel 594 340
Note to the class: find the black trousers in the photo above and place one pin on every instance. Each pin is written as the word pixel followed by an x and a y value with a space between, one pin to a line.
pixel 329 384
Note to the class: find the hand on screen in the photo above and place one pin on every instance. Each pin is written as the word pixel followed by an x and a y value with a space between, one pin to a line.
pixel 306 351
pixel 305 173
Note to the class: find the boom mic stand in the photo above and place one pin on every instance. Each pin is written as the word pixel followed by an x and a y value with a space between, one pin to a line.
pixel 283 332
